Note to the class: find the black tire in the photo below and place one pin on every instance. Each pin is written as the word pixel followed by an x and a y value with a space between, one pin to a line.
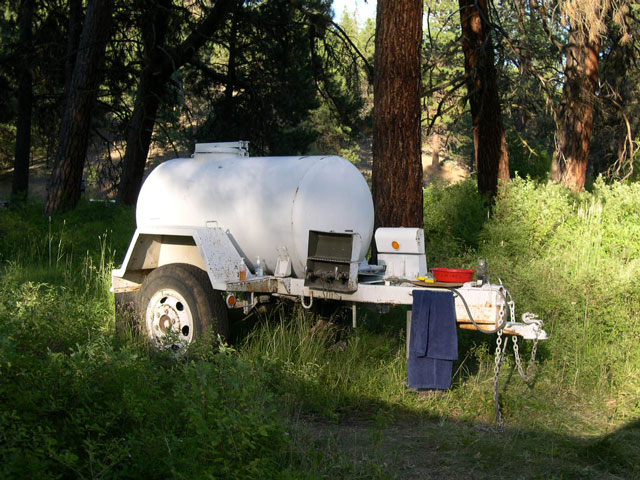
pixel 179 298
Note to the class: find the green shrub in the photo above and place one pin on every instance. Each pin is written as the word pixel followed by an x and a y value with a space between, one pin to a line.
pixel 76 404
pixel 525 218
pixel 453 219
pixel 527 158
pixel 574 259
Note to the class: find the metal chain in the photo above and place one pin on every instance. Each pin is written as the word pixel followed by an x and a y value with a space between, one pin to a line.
pixel 528 375
pixel 496 374
pixel 499 357
pixel 500 353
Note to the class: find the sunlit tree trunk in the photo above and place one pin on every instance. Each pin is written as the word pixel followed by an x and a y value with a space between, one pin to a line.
pixel 397 162
pixel 491 155
pixel 435 151
pixel 575 115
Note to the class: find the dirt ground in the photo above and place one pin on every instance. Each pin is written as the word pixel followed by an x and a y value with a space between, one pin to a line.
pixel 444 448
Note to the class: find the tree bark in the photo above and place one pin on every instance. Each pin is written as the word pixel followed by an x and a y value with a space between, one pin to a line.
pixel 74 30
pixel 20 179
pixel 397 152
pixel 153 77
pixel 490 144
pixel 66 178
pixel 158 66
pixel 575 115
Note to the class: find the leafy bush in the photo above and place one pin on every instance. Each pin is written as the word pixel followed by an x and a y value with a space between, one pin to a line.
pixel 453 219
pixel 525 218
pixel 574 259
pixel 528 158
pixel 75 402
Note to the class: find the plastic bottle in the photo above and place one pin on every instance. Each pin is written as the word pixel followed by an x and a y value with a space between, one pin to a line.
pixel 259 268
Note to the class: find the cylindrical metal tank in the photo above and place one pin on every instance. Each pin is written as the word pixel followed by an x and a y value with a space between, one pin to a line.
pixel 265 203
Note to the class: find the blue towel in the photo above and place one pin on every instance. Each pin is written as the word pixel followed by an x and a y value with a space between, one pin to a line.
pixel 434 340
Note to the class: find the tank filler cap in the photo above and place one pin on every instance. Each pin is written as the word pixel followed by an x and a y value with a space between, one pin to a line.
pixel 239 148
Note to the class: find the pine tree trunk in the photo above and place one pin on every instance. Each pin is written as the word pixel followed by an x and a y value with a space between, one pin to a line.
pixel 74 30
pixel 66 178
pixel 575 115
pixel 160 64
pixel 397 164
pixel 435 151
pixel 20 179
pixel 150 91
pixel 153 78
pixel 491 155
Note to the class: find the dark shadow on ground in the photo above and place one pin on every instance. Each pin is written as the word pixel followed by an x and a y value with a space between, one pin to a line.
pixel 400 442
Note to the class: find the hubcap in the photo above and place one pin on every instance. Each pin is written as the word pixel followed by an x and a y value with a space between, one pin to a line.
pixel 169 320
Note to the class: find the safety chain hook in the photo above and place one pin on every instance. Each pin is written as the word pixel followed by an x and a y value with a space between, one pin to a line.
pixel 529 374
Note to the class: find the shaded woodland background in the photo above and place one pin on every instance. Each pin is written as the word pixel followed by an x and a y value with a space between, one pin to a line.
pixel 526 87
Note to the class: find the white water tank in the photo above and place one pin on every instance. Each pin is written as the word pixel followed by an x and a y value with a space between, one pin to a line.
pixel 264 203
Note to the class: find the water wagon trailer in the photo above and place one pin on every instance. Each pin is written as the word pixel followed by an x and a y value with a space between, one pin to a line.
pixel 253 229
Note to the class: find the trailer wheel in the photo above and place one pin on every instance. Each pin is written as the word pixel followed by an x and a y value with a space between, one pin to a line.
pixel 177 305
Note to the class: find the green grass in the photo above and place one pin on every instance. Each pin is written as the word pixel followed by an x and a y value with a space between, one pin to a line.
pixel 302 398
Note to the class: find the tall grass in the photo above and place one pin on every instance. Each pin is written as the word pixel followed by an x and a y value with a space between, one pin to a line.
pixel 574 260
pixel 77 402
pixel 571 258
pixel 324 367
pixel 578 270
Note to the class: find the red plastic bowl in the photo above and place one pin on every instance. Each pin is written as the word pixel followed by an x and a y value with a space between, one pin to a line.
pixel 453 275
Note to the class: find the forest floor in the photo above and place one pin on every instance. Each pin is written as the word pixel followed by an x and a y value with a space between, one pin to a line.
pixel 424 448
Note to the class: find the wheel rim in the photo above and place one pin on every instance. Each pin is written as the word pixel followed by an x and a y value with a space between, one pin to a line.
pixel 169 320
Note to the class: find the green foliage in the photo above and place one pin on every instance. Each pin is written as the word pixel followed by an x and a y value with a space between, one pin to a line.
pixel 573 259
pixel 453 219
pixel 96 408
pixel 30 238
pixel 75 402
pixel 287 64
pixel 526 217
pixel 322 367
pixel 526 158
pixel 570 258
pixel 270 52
